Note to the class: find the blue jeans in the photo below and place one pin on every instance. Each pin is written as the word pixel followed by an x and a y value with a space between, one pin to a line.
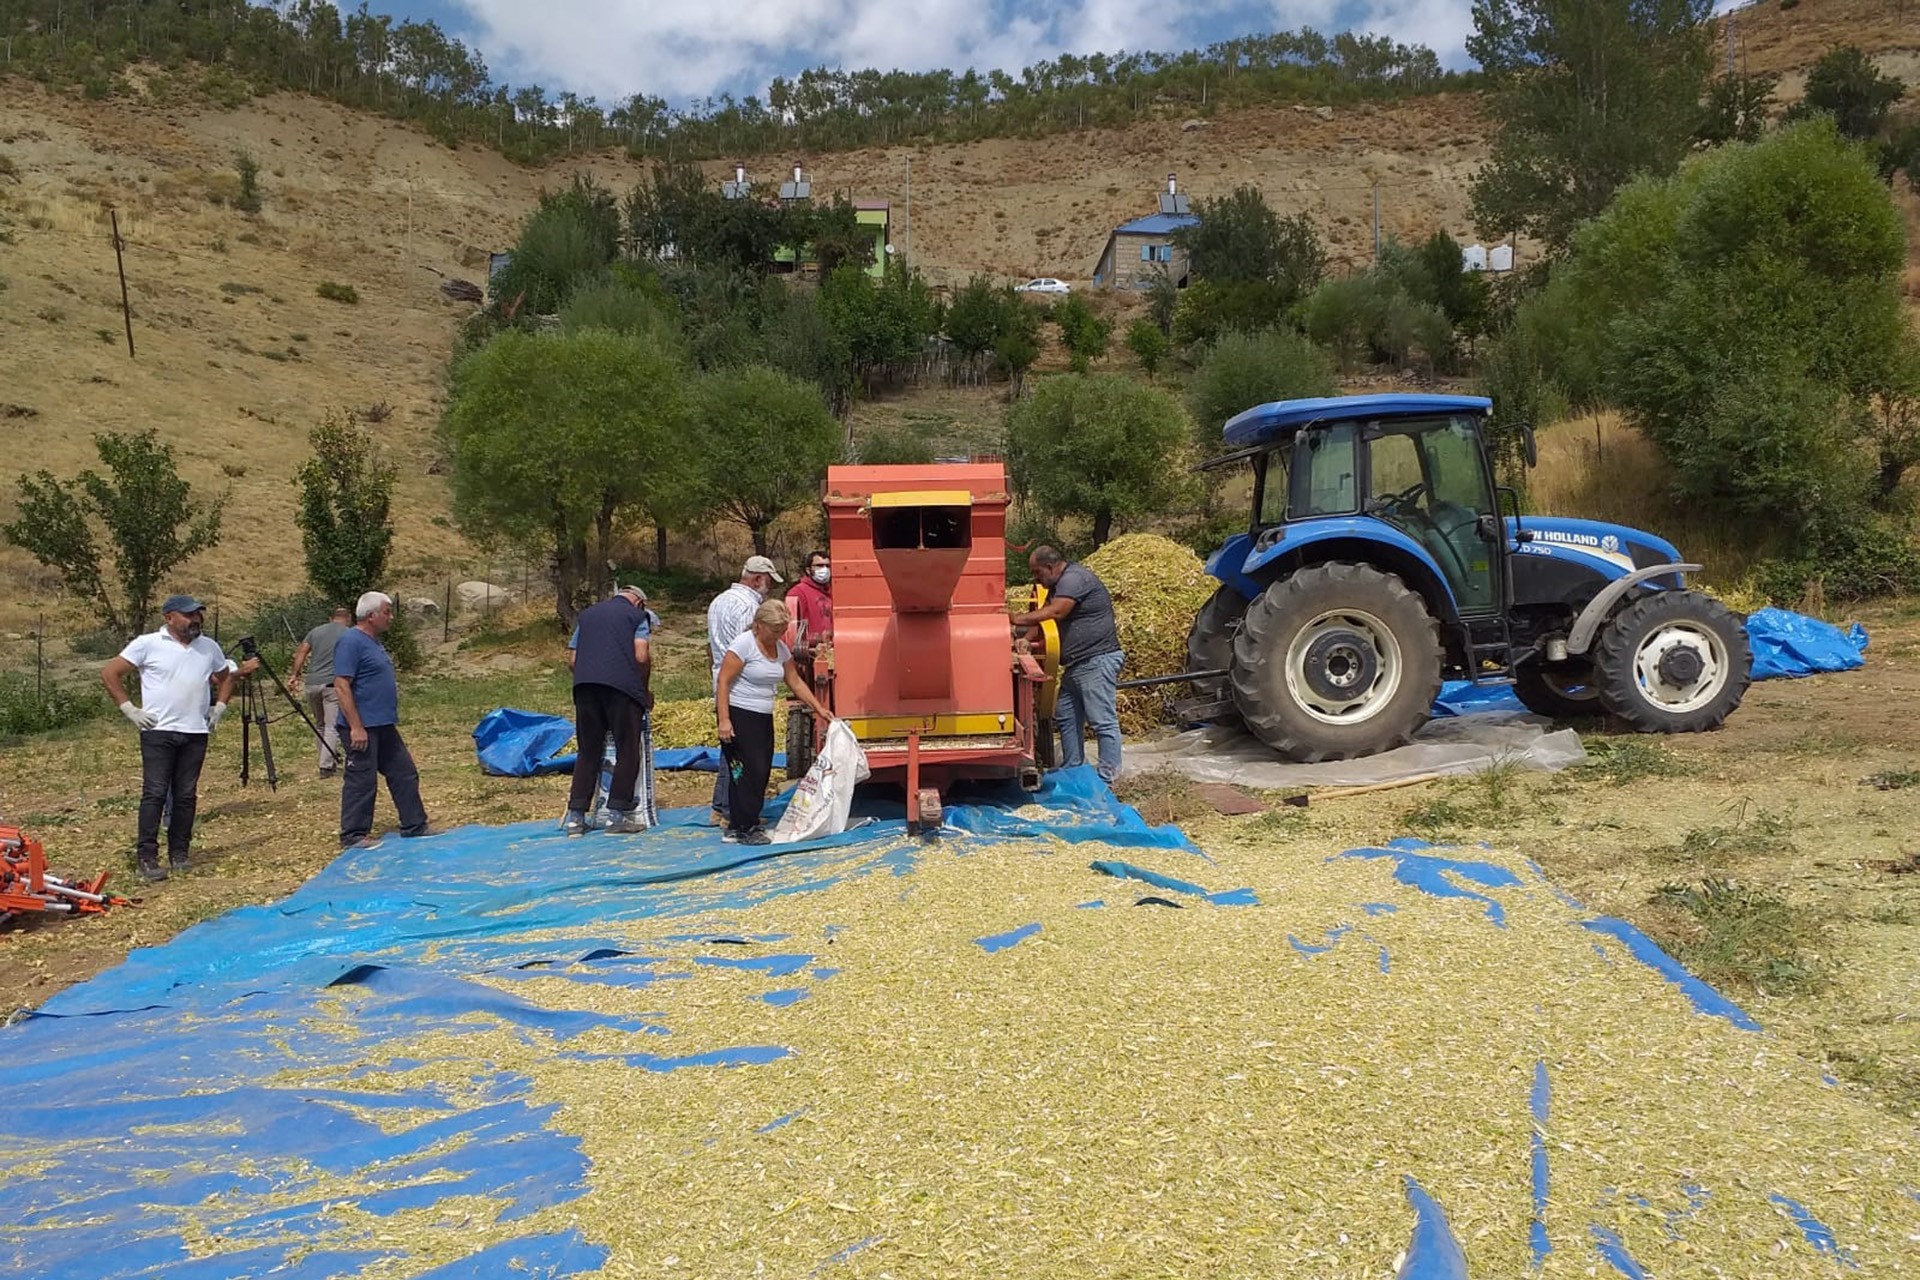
pixel 1089 690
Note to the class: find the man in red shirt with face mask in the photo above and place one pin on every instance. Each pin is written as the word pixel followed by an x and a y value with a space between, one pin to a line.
pixel 811 601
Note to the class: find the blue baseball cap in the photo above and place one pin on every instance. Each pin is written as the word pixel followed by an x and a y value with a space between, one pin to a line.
pixel 182 604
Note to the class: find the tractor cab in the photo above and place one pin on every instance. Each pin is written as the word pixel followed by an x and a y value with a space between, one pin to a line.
pixel 1426 475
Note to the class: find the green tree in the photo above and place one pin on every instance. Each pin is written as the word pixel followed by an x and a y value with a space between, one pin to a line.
pixel 766 441
pixel 1760 327
pixel 1241 370
pixel 1586 94
pixel 1208 309
pixel 114 538
pixel 975 317
pixel 1847 86
pixel 346 491
pixel 1017 344
pixel 1084 333
pixel 1104 447
pixel 554 437
pixel 1239 239
pixel 557 251
pixel 1342 315
pixel 1736 109
pixel 801 341
pixel 1150 346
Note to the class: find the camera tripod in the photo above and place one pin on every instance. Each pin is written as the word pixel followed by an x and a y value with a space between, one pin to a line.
pixel 253 711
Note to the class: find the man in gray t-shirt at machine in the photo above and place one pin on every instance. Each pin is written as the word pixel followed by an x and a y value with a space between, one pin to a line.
pixel 1090 658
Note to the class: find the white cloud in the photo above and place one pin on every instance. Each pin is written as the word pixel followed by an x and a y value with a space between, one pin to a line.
pixel 686 48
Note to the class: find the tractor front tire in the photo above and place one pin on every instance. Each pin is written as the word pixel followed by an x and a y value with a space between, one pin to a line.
pixel 1559 690
pixel 1336 661
pixel 1210 640
pixel 1672 662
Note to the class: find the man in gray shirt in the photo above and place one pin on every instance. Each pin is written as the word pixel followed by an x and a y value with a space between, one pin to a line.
pixel 1090 658
pixel 314 660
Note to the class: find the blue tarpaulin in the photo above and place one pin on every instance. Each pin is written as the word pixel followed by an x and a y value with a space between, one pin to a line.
pixel 222 1086
pixel 1792 644
pixel 521 744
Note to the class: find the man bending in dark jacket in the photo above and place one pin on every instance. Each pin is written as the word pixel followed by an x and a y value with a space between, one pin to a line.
pixel 612 668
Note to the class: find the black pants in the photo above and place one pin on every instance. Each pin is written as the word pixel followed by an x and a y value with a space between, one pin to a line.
pixel 169 762
pixel 387 756
pixel 598 710
pixel 749 761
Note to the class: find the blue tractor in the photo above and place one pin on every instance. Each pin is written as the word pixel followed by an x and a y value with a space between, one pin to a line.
pixel 1379 561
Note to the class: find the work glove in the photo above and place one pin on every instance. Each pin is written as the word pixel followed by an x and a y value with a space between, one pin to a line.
pixel 138 717
pixel 215 716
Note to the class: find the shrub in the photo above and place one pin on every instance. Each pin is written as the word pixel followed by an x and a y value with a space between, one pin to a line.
pixel 1245 369
pixel 248 199
pixel 893 446
pixel 28 706
pixel 1342 316
pixel 339 293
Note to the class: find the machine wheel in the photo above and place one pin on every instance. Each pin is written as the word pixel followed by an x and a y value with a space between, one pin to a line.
pixel 1336 661
pixel 800 745
pixel 1210 639
pixel 1558 690
pixel 1673 662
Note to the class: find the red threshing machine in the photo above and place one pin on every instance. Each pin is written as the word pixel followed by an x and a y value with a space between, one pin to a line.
pixel 923 665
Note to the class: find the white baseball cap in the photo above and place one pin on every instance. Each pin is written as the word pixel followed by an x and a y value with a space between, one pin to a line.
pixel 760 564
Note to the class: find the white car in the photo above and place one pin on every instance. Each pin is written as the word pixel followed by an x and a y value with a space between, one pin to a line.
pixel 1045 284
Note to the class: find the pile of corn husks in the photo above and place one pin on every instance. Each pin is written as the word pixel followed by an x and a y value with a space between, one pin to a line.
pixel 1157 586
pixel 1131 1090
pixel 688 722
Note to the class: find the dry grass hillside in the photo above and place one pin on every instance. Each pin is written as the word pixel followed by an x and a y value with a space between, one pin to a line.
pixel 238 355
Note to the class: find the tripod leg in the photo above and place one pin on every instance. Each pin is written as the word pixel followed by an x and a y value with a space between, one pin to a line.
pixel 266 752
pixel 246 746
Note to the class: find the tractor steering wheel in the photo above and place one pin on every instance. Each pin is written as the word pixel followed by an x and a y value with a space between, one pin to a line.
pixel 1401 501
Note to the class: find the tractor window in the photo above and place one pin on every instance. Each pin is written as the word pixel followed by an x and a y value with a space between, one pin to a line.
pixel 1393 466
pixel 1454 466
pixel 1323 482
pixel 1273 486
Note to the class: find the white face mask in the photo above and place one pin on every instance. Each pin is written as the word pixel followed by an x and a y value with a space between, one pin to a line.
pixel 822 575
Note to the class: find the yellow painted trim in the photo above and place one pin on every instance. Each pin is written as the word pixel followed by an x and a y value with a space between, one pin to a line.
pixel 939 726
pixel 924 498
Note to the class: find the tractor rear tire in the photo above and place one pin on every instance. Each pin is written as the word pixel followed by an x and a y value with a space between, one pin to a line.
pixel 1210 641
pixel 1672 662
pixel 1558 691
pixel 1336 661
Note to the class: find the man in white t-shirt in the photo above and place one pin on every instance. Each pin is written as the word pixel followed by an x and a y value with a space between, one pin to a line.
pixel 728 617
pixel 176 665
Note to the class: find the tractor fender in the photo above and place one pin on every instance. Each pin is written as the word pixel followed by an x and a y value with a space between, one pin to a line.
pixel 1356 539
pixel 1587 625
pixel 1227 565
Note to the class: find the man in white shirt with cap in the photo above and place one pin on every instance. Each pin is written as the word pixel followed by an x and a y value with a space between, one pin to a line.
pixel 176 664
pixel 730 614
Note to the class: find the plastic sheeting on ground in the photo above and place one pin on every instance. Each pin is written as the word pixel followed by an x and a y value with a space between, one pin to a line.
pixel 415 1065
pixel 1792 644
pixel 1451 745
pixel 198 1109
pixel 512 743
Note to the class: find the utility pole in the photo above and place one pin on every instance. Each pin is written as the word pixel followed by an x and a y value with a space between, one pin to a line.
pixel 907 231
pixel 1730 18
pixel 120 263
pixel 1376 220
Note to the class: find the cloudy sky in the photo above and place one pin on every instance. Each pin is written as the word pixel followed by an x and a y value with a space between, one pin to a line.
pixel 684 49
pixel 680 49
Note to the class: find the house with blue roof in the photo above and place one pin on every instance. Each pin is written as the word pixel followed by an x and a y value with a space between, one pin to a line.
pixel 1136 251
